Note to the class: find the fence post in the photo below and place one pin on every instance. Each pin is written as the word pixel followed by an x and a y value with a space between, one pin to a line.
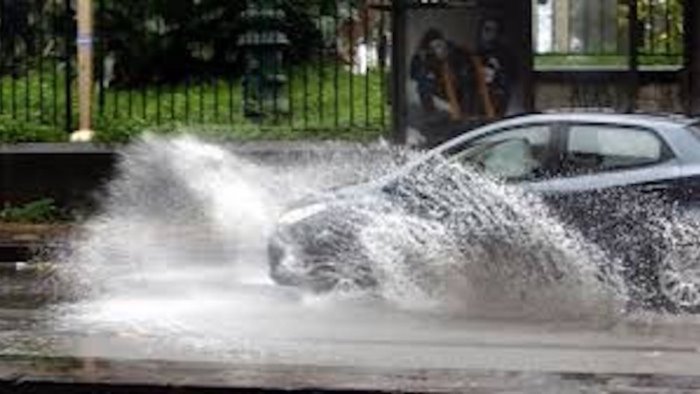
pixel 398 71
pixel 634 39
pixel 85 52
pixel 692 57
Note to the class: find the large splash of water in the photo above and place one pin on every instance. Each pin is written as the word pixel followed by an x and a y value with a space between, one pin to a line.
pixel 444 238
pixel 181 206
pixel 189 220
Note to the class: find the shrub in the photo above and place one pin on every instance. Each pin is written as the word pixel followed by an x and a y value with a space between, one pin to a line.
pixel 40 211
pixel 17 131
pixel 198 38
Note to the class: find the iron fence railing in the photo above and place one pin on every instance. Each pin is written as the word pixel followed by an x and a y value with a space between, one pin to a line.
pixel 598 32
pixel 326 68
pixel 661 32
pixel 187 62
pixel 36 61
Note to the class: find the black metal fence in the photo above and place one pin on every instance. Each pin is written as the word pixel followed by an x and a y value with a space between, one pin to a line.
pixel 320 65
pixel 598 33
pixel 188 62
pixel 661 32
pixel 624 55
pixel 325 66
pixel 36 62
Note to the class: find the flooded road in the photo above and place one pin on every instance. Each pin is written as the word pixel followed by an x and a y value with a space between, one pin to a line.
pixel 270 334
pixel 170 284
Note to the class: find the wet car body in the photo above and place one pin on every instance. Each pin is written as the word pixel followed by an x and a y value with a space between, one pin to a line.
pixel 619 179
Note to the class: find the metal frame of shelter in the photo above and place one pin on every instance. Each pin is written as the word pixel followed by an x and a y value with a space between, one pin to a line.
pixel 630 78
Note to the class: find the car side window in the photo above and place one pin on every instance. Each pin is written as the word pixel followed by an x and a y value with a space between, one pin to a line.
pixel 513 155
pixel 599 148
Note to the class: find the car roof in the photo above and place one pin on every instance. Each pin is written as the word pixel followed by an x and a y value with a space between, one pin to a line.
pixel 665 124
pixel 637 119
pixel 671 123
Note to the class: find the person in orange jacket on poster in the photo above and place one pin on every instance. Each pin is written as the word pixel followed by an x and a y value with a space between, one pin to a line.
pixel 474 85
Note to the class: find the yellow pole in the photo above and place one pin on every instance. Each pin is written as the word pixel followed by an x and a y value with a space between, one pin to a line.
pixel 85 55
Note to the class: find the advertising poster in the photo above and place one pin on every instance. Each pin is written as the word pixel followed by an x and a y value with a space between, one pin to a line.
pixel 464 67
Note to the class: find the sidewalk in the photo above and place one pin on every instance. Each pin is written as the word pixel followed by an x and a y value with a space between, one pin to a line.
pixel 18 241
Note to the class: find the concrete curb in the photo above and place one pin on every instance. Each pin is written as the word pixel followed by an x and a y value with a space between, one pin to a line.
pixel 87 375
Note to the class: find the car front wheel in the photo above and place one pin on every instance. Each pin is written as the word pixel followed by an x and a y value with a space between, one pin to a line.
pixel 680 287
pixel 678 271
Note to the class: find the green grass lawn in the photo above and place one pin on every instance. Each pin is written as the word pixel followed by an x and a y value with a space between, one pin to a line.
pixel 578 62
pixel 325 103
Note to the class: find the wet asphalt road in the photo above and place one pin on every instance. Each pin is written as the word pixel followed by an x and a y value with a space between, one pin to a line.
pixel 260 335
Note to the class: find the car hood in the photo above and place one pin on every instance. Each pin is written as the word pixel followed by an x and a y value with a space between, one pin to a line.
pixel 337 194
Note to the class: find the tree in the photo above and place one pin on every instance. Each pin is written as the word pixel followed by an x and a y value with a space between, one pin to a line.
pixel 198 38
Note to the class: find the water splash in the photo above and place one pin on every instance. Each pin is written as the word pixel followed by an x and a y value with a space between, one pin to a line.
pixel 182 208
pixel 445 237
pixel 189 220
pixel 176 204
pixel 679 266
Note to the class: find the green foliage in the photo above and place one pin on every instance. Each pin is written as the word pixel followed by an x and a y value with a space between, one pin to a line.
pixel 17 131
pixel 660 43
pixel 197 37
pixel 40 211
pixel 117 131
pixel 128 112
pixel 28 22
pixel 578 62
pixel 321 110
pixel 663 27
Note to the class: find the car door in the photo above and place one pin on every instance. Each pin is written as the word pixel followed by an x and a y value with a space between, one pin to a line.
pixel 598 156
pixel 611 180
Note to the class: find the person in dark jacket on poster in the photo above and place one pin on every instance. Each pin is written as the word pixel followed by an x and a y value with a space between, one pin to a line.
pixel 442 70
pixel 496 63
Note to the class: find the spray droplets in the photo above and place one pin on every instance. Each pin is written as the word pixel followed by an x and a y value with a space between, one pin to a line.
pixel 437 237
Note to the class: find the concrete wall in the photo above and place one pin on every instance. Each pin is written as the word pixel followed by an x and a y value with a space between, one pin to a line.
pixel 71 175
pixel 657 97
pixel 74 175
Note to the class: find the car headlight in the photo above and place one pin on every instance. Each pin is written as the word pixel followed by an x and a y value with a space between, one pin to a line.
pixel 299 214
